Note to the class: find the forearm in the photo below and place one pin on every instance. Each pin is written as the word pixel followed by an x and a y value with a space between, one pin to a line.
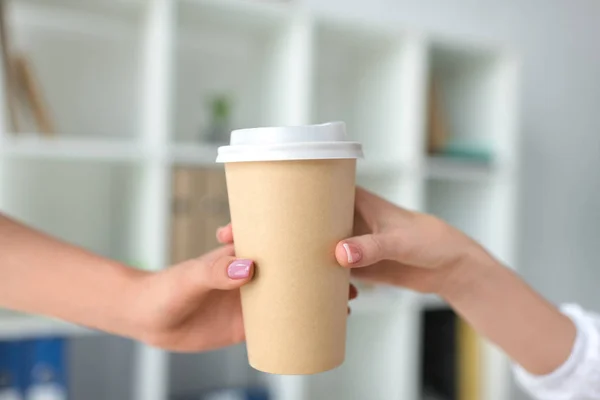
pixel 41 275
pixel 502 307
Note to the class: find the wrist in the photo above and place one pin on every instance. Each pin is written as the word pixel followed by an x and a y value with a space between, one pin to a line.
pixel 467 273
pixel 503 308
pixel 128 303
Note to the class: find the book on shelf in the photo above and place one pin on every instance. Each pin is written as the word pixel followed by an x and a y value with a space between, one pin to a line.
pixel 451 359
pixel 469 362
pixel 32 93
pixel 441 142
pixel 439 354
pixel 437 137
pixel 33 369
pixel 10 82
pixel 200 206
pixel 11 377
pixel 23 91
pixel 181 219
pixel 46 369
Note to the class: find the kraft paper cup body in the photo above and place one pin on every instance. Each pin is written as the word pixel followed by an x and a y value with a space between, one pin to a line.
pixel 288 215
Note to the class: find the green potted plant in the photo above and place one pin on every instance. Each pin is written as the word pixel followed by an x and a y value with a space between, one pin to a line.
pixel 219 125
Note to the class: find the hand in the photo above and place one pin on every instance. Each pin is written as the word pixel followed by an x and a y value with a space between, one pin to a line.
pixel 400 247
pixel 192 306
pixel 420 252
pixel 195 305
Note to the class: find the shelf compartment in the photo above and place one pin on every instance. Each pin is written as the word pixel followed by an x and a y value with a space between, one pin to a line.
pixel 468 206
pixel 102 367
pixel 86 58
pixel 14 326
pixel 468 114
pixel 200 207
pixel 381 370
pixel 223 56
pixel 71 148
pixel 194 154
pixel 359 79
pixel 402 189
pixel 88 204
pixel 98 365
pixel 458 169
pixel 375 299
pixel 110 19
pixel 483 209
pixel 197 373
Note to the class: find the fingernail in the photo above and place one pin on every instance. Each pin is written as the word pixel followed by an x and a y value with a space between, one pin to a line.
pixel 352 252
pixel 239 269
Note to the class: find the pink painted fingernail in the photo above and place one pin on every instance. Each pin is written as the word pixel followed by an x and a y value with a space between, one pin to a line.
pixel 239 269
pixel 352 252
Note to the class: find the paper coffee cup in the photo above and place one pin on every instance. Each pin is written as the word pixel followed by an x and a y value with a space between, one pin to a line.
pixel 291 196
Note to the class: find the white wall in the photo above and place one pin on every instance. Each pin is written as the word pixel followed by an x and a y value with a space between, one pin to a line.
pixel 560 122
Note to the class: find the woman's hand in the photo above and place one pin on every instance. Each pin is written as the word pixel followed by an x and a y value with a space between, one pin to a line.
pixel 403 248
pixel 421 252
pixel 398 247
pixel 191 306
pixel 195 305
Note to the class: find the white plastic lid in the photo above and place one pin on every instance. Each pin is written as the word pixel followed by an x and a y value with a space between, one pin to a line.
pixel 308 142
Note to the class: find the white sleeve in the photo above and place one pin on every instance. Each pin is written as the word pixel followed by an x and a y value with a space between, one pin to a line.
pixel 579 377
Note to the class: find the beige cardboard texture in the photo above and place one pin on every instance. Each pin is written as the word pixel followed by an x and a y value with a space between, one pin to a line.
pixel 288 216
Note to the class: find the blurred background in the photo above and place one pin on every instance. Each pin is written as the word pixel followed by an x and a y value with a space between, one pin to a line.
pixel 483 113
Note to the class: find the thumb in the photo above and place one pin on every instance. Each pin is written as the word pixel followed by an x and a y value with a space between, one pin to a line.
pixel 362 251
pixel 226 273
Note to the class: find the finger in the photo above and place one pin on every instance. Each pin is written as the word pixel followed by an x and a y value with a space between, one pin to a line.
pixel 353 292
pixel 362 251
pixel 226 273
pixel 365 200
pixel 213 255
pixel 368 203
pixel 225 234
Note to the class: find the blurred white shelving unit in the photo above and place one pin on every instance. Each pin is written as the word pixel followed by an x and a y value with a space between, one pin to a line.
pixel 193 154
pixel 445 169
pixel 127 82
pixel 24 327
pixel 34 147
